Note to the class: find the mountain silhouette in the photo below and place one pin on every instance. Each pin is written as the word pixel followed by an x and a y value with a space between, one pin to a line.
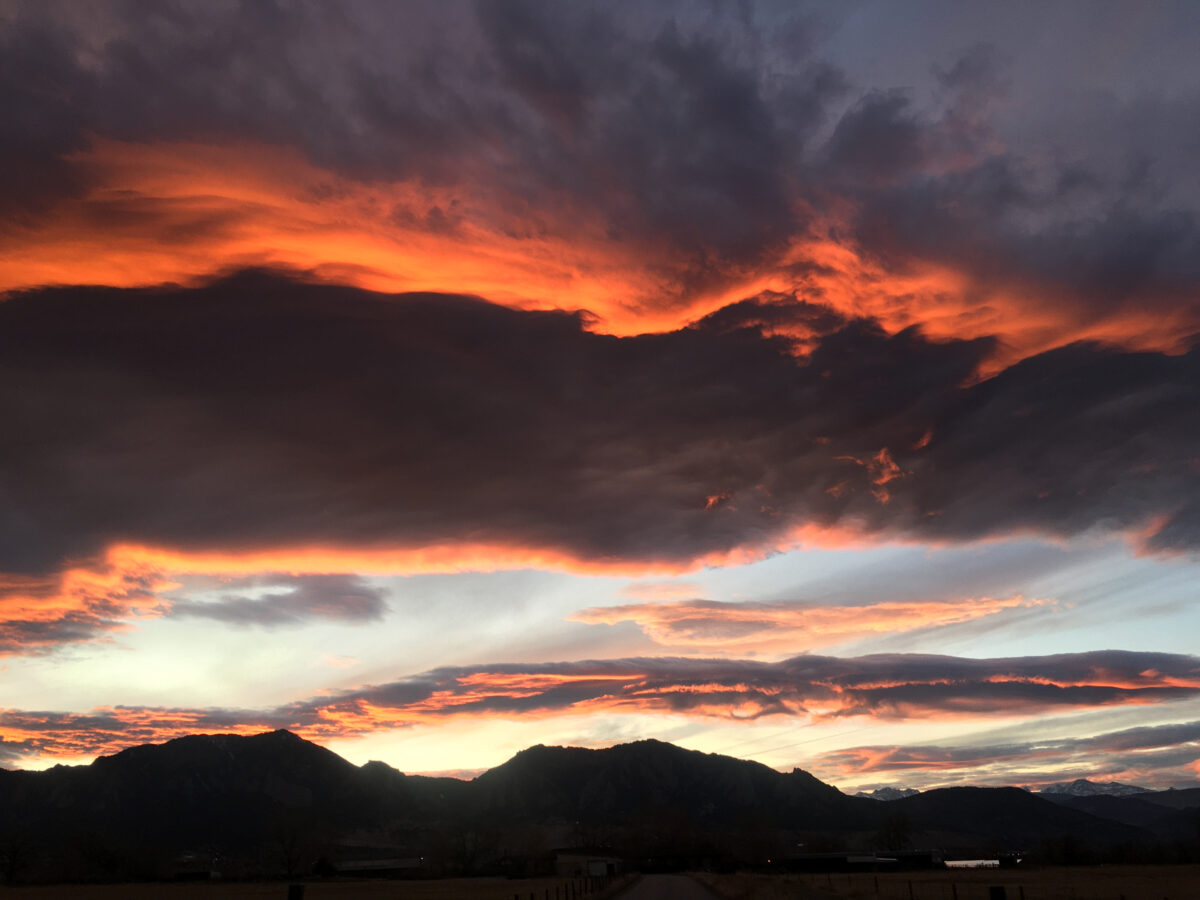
pixel 1168 815
pixel 274 802
pixel 614 785
pixel 1005 816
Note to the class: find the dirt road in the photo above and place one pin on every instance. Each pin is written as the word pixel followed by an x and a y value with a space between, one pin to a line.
pixel 681 887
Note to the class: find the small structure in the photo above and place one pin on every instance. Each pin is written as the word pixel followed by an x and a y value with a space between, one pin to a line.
pixel 380 868
pixel 194 866
pixel 578 862
pixel 863 862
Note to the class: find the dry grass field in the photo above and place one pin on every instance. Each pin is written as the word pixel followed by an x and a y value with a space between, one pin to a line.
pixel 1078 883
pixel 442 889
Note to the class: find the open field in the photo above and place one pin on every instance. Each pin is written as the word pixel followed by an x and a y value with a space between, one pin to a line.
pixel 1051 883
pixel 441 889
pixel 1059 883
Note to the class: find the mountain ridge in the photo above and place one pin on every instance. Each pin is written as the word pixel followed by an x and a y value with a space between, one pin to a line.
pixel 245 797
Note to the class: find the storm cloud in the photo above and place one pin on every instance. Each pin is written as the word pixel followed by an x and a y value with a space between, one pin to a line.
pixel 261 413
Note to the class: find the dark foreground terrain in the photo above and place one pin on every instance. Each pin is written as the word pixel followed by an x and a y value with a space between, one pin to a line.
pixel 1049 883
pixel 277 806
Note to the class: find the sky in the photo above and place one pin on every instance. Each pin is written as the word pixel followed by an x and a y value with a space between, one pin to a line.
pixel 811 383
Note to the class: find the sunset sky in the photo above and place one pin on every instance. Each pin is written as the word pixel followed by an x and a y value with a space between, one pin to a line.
pixel 815 384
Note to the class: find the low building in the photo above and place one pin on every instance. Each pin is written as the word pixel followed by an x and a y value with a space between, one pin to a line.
pixel 580 862
pixel 409 867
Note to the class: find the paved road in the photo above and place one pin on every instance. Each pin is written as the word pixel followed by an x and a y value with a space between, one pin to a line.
pixel 667 887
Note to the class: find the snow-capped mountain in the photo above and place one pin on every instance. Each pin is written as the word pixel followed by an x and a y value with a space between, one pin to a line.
pixel 888 793
pixel 1081 787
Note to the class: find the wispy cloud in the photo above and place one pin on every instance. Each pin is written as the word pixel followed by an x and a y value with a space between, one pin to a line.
pixel 334 598
pixel 1158 754
pixel 40 614
pixel 809 688
pixel 742 627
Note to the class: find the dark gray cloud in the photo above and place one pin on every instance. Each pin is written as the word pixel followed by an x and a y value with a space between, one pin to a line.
pixel 334 598
pixel 259 412
pixel 878 139
pixel 1099 220
pixel 771 311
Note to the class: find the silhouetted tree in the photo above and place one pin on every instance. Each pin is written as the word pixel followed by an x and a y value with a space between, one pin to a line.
pixel 297 841
pixel 17 852
pixel 893 834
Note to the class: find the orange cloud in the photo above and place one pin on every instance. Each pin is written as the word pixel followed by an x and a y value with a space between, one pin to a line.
pixel 742 627
pixel 660 591
pixel 181 211
pixel 88 602
pixel 162 212
pixel 1155 754
pixel 107 730
pixel 805 688
pixel 81 603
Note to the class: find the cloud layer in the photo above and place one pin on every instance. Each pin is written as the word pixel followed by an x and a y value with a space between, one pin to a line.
pixel 718 626
pixel 262 413
pixel 646 164
pixel 808 688
pixel 1157 754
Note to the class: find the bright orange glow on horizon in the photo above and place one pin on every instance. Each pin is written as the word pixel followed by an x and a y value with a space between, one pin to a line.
pixel 698 689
